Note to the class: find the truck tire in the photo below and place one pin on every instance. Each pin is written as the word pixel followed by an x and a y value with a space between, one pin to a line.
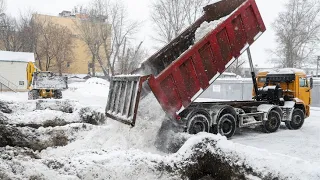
pixel 58 94
pixel 33 94
pixel 273 122
pixel 297 120
pixel 226 125
pixel 198 123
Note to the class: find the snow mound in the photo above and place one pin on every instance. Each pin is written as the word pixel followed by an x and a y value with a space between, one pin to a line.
pixel 94 92
pixel 203 155
pixel 249 159
pixel 97 81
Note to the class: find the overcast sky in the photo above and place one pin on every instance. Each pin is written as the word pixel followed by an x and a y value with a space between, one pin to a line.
pixel 139 10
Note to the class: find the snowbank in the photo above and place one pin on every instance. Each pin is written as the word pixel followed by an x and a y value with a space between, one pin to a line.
pixel 204 155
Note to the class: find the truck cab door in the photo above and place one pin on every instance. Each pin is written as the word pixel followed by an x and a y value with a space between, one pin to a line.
pixel 304 90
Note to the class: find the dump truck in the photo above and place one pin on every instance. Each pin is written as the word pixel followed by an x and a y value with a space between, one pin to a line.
pixel 179 72
pixel 44 84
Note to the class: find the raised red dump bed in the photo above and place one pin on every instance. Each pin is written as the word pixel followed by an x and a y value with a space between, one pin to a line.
pixel 182 81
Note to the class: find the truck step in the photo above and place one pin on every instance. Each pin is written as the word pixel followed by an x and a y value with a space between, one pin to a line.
pixel 255 123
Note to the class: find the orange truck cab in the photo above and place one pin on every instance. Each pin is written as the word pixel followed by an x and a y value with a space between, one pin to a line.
pixel 295 84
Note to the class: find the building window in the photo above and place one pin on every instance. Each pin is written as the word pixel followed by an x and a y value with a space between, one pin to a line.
pixel 21 83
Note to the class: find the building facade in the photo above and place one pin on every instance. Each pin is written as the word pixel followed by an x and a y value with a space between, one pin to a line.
pixel 82 58
pixel 13 74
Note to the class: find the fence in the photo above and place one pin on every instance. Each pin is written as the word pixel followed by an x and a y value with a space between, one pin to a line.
pixel 241 89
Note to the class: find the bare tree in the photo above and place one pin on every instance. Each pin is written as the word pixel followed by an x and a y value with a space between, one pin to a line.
pixel 90 34
pixel 107 32
pixel 237 66
pixel 28 31
pixel 3 5
pixel 171 17
pixel 17 33
pixel 63 48
pixel 52 44
pixel 132 58
pixel 10 34
pixel 297 31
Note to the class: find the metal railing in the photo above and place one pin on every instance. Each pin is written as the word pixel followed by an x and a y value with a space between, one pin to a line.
pixel 241 89
pixel 8 84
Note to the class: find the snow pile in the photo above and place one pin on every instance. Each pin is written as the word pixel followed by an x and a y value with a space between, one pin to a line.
pixel 91 86
pixel 94 92
pixel 207 27
pixel 254 161
pixel 203 155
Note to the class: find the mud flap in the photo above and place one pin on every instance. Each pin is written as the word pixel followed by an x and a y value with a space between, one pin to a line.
pixel 124 97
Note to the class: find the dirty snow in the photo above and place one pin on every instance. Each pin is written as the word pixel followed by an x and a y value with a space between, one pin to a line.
pixel 117 151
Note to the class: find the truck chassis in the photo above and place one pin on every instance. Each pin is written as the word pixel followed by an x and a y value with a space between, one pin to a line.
pixel 225 117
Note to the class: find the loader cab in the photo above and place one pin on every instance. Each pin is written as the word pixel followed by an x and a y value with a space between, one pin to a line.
pixel 295 84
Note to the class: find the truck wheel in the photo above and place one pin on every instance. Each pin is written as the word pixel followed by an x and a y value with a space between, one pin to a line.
pixel 58 94
pixel 33 95
pixel 297 120
pixel 273 122
pixel 226 125
pixel 198 123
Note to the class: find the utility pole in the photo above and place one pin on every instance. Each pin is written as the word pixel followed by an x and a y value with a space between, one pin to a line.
pixel 318 65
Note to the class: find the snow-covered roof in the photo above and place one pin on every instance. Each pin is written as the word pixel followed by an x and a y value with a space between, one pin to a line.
pixel 229 74
pixel 286 71
pixel 16 56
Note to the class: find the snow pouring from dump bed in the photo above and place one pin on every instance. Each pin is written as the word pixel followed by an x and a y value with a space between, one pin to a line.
pixel 115 135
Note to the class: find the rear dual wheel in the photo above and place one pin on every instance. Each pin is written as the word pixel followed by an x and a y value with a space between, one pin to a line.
pixel 226 125
pixel 198 123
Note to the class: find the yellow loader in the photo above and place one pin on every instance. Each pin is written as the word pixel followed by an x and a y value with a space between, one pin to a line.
pixel 44 84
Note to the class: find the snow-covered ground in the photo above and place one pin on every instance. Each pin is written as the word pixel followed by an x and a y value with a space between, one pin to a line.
pixel 117 151
pixel 303 143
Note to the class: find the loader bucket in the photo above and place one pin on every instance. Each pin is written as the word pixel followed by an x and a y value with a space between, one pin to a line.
pixel 123 99
pixel 48 80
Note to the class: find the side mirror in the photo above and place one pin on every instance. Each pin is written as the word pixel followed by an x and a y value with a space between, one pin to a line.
pixel 311 83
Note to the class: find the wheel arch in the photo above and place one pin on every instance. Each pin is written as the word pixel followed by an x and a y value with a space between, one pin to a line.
pixel 267 108
pixel 219 111
pixel 189 116
pixel 198 111
pixel 300 106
